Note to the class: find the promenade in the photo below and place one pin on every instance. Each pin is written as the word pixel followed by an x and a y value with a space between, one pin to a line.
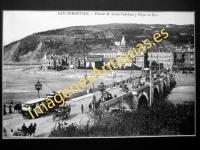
pixel 46 123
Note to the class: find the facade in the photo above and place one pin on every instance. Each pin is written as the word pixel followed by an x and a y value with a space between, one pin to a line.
pixel 105 53
pixel 187 52
pixel 54 61
pixel 73 61
pixel 140 60
pixel 161 55
pixel 81 62
pixel 189 55
pixel 94 61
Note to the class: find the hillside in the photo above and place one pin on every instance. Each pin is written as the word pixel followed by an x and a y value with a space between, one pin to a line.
pixel 83 39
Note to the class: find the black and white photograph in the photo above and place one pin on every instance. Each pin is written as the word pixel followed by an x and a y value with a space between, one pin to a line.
pixel 98 74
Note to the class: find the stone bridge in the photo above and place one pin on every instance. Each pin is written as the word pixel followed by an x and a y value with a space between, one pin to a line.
pixel 141 96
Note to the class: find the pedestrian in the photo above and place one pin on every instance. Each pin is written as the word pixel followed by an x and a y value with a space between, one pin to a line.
pixel 33 129
pixel 4 132
pixel 94 97
pixel 90 107
pixel 30 129
pixel 15 107
pixel 11 102
pixel 19 107
pixel 24 129
pixel 11 132
pixel 96 105
pixel 82 108
pixel 4 109
pixel 69 109
pixel 10 109
pixel 94 101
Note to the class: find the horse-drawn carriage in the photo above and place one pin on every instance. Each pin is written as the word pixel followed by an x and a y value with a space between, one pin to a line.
pixel 62 113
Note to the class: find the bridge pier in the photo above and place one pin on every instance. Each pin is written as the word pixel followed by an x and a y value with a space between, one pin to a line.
pixel 134 100
pixel 172 79
pixel 161 91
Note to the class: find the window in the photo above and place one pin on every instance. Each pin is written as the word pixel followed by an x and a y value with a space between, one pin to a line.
pixel 191 62
pixel 71 62
pixel 191 57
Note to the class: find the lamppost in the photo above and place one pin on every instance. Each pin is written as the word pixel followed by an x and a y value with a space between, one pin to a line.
pixel 150 83
pixel 38 86
pixel 86 71
pixel 133 79
pixel 159 60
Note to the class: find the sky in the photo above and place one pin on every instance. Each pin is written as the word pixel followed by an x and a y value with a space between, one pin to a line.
pixel 19 24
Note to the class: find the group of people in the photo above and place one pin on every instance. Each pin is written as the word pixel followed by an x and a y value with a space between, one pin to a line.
pixel 95 104
pixel 17 107
pixel 25 131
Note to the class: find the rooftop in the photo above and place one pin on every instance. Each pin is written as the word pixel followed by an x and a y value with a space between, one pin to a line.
pixel 103 51
pixel 160 49
pixel 35 101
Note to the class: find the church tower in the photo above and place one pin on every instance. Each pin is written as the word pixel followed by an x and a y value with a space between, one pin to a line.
pixel 123 44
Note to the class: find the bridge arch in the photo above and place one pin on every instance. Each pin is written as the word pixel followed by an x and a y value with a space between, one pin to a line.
pixel 165 83
pixel 143 101
pixel 157 86
pixel 155 94
pixel 164 88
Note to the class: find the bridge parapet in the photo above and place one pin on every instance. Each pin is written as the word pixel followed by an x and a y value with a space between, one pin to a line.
pixel 116 100
pixel 142 88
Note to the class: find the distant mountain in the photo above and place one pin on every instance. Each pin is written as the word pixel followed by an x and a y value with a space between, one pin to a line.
pixel 83 39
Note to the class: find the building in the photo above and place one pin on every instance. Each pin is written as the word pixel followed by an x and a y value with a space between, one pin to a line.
pixel 161 55
pixel 189 55
pixel 94 61
pixel 185 52
pixel 73 61
pixel 140 60
pixel 105 53
pixel 123 43
pixel 54 61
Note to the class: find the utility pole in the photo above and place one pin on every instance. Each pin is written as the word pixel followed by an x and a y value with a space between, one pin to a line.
pixel 159 60
pixel 122 104
pixel 150 83
pixel 130 67
pixel 86 74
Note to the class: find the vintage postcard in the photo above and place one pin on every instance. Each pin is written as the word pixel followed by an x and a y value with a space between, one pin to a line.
pixel 98 74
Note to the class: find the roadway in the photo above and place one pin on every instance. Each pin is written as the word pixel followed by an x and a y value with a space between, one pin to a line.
pixel 45 123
